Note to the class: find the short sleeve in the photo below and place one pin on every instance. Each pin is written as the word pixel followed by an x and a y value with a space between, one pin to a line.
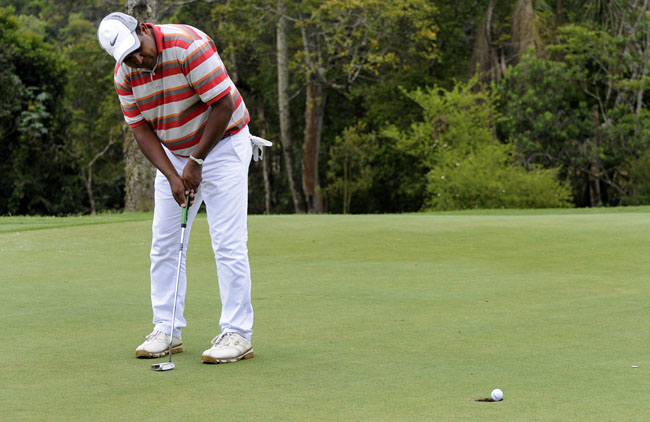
pixel 127 101
pixel 205 71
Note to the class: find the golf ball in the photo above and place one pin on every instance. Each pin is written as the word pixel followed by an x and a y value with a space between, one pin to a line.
pixel 497 395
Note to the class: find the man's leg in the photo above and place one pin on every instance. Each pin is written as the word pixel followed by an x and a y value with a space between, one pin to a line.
pixel 225 192
pixel 166 231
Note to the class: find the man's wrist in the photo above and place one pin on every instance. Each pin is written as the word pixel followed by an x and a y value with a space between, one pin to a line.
pixel 198 161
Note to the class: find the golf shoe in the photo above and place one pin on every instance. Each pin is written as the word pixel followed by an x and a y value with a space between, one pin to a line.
pixel 228 347
pixel 157 345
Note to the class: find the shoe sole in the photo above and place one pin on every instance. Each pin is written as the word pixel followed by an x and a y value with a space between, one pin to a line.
pixel 143 354
pixel 246 355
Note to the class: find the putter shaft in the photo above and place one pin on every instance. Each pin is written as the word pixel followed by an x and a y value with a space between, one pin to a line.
pixel 166 366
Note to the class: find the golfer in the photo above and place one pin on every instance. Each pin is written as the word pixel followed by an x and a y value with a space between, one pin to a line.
pixel 190 121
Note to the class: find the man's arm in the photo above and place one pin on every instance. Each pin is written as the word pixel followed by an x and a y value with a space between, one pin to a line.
pixel 216 125
pixel 152 149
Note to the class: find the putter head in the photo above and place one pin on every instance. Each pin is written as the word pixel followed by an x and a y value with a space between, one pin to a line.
pixel 163 366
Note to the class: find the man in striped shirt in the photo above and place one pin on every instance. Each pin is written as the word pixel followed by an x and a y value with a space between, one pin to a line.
pixel 190 121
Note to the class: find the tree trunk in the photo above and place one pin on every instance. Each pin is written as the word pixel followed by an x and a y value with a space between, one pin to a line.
pixel 559 13
pixel 314 111
pixel 594 182
pixel 645 48
pixel 347 196
pixel 233 71
pixel 594 185
pixel 142 10
pixel 493 55
pixel 524 31
pixel 139 172
pixel 282 31
pixel 266 167
pixel 139 176
pixel 266 170
pixel 488 22
pixel 88 175
pixel 485 59
pixel 88 180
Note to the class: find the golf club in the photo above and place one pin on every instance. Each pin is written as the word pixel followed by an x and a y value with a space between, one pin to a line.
pixel 168 366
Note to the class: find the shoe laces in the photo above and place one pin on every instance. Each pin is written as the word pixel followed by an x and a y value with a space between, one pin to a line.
pixel 222 339
pixel 155 334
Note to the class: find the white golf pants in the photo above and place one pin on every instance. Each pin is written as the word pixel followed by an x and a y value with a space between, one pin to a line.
pixel 224 190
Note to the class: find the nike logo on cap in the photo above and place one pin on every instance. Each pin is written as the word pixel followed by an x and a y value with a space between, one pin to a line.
pixel 114 39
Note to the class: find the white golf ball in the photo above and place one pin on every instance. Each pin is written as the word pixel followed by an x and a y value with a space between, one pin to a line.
pixel 497 395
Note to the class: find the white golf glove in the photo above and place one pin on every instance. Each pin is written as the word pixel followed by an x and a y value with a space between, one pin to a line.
pixel 258 147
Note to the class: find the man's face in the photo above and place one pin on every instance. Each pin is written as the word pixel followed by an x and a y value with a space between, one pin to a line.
pixel 147 55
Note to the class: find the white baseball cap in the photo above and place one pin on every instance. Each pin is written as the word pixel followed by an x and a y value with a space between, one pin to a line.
pixel 116 34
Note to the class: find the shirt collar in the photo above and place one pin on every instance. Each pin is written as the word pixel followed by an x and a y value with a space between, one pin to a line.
pixel 158 35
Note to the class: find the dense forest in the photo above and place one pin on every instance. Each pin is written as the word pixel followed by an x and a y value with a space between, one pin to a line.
pixel 374 106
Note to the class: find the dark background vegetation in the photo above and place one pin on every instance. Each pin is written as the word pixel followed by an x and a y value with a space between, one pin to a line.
pixel 417 104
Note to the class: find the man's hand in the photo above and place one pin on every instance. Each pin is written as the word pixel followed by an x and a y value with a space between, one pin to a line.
pixel 192 177
pixel 178 190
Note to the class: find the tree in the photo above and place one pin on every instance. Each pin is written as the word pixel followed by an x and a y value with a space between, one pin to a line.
pixel 139 172
pixel 284 112
pixel 349 166
pixel 488 58
pixel 507 31
pixel 582 109
pixel 468 166
pixel 96 123
pixel 38 176
pixel 347 41
pixel 531 23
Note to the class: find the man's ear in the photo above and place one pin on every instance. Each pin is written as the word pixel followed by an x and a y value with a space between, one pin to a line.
pixel 144 28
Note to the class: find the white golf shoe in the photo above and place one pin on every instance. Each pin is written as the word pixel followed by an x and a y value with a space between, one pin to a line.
pixel 228 347
pixel 157 345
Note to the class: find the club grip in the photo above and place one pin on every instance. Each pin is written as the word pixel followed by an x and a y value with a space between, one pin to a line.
pixel 185 208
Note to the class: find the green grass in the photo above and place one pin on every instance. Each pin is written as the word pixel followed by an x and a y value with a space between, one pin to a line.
pixel 373 318
pixel 21 223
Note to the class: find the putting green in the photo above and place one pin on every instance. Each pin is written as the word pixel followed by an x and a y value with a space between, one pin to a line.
pixel 381 317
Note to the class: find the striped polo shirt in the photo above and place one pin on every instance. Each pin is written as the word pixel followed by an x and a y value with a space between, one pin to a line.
pixel 175 96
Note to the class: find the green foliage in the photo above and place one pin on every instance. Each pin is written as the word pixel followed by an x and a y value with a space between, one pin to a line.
pixel 364 35
pixel 544 113
pixel 454 42
pixel 577 106
pixel 96 131
pixel 487 178
pixel 368 48
pixel 57 114
pixel 349 170
pixel 638 175
pixel 39 177
pixel 594 58
pixel 460 118
pixel 468 167
pixel 352 44
pixel 579 109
